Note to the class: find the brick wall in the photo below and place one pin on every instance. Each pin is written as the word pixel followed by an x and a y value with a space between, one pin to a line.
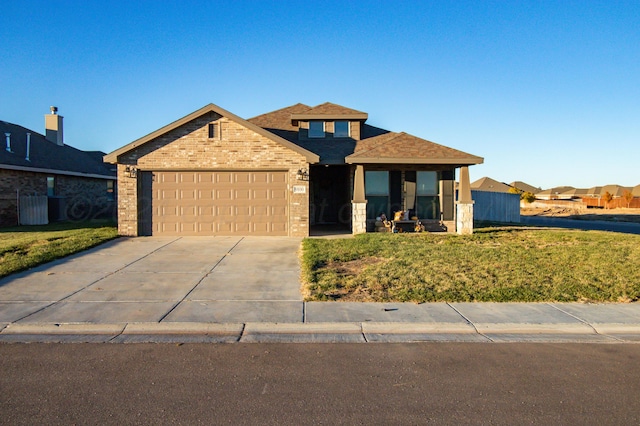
pixel 88 195
pixel 29 183
pixel 189 148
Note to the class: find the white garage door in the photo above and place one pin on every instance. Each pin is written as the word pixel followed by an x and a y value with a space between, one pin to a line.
pixel 220 203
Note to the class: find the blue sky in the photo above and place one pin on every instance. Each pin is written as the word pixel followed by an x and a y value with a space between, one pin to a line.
pixel 548 92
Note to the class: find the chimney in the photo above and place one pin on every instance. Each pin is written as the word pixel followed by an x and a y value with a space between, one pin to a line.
pixel 53 127
pixel 28 146
pixel 8 135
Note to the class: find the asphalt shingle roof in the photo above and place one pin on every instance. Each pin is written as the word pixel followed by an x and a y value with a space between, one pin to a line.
pixel 375 143
pixel 44 154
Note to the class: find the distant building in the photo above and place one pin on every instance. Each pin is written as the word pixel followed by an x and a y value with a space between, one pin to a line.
pixel 489 185
pixel 525 187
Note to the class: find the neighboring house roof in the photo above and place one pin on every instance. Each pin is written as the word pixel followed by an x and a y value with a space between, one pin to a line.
pixel 48 157
pixel 594 191
pixel 615 190
pixel 636 191
pixel 525 187
pixel 555 190
pixel 490 185
pixel 113 156
pixel 575 192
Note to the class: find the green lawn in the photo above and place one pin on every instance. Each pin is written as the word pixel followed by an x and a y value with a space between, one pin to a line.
pixel 27 246
pixel 508 264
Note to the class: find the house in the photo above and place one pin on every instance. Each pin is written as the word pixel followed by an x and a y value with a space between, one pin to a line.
pixel 73 184
pixel 522 186
pixel 490 185
pixel 214 173
pixel 554 193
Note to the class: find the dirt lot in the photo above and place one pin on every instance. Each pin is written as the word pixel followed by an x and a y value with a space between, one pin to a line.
pixel 612 215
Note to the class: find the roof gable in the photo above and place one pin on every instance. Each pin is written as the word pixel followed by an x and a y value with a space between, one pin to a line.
pixel 328 110
pixel 113 156
pixel 405 148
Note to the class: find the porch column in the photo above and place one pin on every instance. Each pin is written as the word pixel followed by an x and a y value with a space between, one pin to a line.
pixel 464 205
pixel 359 203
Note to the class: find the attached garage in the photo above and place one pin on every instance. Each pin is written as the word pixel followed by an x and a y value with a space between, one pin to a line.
pixel 212 173
pixel 218 203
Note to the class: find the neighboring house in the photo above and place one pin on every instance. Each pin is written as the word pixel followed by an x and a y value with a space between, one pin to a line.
pixel 214 173
pixel 522 186
pixel 554 193
pixel 78 184
pixel 490 185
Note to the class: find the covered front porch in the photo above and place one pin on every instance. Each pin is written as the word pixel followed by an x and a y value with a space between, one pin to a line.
pixel 425 196
pixel 352 198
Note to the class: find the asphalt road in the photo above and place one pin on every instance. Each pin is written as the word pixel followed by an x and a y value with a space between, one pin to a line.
pixel 439 383
pixel 594 225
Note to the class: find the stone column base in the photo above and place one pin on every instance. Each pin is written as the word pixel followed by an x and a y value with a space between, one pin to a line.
pixel 359 218
pixel 464 221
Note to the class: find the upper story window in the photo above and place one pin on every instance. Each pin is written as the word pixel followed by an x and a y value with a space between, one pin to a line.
pixel 316 129
pixel 341 129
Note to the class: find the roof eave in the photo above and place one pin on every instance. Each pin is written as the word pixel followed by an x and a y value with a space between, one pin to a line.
pixel 57 172
pixel 112 157
pixel 349 116
pixel 446 161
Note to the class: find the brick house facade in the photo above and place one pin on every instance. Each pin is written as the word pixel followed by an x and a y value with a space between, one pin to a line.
pixel 214 173
pixel 78 184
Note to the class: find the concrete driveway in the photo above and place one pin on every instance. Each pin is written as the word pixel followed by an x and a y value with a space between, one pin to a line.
pixel 196 279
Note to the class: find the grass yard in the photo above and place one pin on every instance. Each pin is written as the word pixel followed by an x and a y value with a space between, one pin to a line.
pixel 28 246
pixel 494 264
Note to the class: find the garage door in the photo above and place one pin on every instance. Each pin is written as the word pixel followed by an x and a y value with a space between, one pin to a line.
pixel 220 203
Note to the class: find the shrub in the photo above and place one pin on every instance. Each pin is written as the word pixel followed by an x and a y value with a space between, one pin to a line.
pixel 528 197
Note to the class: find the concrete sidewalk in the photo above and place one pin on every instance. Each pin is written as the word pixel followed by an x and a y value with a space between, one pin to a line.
pixel 244 289
pixel 368 322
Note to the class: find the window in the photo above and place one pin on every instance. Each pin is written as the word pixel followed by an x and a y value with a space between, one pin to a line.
pixel 341 129
pixel 427 200
pixel 51 186
pixel 111 195
pixel 376 188
pixel 427 183
pixel 316 129
pixel 213 130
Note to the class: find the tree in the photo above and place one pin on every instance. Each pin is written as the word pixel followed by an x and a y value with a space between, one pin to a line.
pixel 607 197
pixel 627 196
pixel 528 197
pixel 515 190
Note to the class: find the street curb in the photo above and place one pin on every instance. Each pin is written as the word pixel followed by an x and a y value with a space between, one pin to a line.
pixel 65 328
pixel 183 328
pixel 617 328
pixel 523 328
pixel 417 328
